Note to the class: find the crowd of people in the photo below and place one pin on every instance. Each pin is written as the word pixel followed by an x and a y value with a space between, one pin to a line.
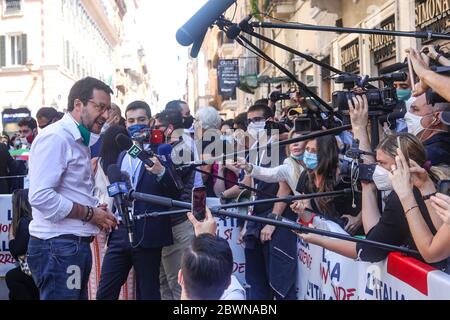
pixel 71 242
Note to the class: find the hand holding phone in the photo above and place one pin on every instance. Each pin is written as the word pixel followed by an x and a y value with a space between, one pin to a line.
pixel 199 203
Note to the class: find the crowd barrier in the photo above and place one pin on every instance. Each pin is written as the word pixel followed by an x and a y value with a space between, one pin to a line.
pixel 321 274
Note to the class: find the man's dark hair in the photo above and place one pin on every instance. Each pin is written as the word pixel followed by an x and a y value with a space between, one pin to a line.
pixel 229 123
pixel 29 122
pixel 263 101
pixel 267 112
pixel 207 265
pixel 241 121
pixel 171 117
pixel 48 113
pixel 83 90
pixel 175 105
pixel 136 105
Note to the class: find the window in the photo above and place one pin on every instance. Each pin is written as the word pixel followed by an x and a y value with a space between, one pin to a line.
pixel 13 50
pixel 12 7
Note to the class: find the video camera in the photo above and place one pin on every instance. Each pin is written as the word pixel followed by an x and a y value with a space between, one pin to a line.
pixel 384 99
pixel 279 96
pixel 355 170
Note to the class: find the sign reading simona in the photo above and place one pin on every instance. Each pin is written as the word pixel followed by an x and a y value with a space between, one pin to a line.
pixel 228 73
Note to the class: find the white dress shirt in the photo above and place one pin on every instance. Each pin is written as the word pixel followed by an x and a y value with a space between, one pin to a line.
pixel 60 175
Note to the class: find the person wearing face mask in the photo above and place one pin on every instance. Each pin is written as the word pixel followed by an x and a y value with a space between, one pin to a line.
pixel 150 236
pixel 66 215
pixel 321 159
pixel 27 131
pixel 424 121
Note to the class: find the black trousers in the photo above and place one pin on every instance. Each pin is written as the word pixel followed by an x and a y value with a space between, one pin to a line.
pixel 21 286
pixel 119 259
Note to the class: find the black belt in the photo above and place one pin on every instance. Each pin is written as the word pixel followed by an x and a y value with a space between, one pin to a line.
pixel 69 237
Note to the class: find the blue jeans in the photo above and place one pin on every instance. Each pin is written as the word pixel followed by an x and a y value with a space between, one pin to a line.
pixel 60 268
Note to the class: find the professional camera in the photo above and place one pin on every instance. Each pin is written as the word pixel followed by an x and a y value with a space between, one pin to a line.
pixel 432 96
pixel 279 96
pixel 384 99
pixel 355 170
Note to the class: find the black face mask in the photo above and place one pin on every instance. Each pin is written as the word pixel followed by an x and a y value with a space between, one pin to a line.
pixel 188 122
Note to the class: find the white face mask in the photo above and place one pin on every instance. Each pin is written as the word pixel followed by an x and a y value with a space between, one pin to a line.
pixel 381 179
pixel 414 123
pixel 256 128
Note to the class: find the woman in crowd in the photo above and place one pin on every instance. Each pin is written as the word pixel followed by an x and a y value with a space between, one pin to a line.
pixel 405 178
pixel 321 159
pixel 19 280
pixel 109 154
pixel 391 226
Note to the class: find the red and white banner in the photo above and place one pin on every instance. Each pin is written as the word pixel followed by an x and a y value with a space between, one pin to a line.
pixel 325 275
pixel 7 262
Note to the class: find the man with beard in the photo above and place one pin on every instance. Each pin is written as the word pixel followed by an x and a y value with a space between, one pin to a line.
pixel 66 216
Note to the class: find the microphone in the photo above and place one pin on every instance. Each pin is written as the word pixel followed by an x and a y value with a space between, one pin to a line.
pixel 164 153
pixel 125 143
pixel 117 190
pixel 197 26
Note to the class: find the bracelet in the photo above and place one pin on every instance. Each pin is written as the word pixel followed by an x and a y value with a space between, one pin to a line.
pixel 428 197
pixel 408 211
pixel 89 215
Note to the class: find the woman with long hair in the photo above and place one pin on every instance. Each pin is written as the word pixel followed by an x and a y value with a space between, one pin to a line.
pixel 390 226
pixel 321 159
pixel 19 280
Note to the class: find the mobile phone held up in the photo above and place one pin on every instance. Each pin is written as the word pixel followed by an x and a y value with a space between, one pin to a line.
pixel 199 203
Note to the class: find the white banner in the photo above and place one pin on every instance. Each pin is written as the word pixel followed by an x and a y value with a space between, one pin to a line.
pixel 7 262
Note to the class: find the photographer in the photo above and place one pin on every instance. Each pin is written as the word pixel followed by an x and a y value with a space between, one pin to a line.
pixel 424 121
pixel 323 175
pixel 428 78
pixel 406 177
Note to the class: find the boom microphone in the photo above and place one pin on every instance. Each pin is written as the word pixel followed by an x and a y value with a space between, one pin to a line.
pixel 126 144
pixel 197 26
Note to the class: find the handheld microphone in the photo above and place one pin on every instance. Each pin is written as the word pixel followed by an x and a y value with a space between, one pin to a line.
pixel 164 153
pixel 125 143
pixel 197 26
pixel 117 190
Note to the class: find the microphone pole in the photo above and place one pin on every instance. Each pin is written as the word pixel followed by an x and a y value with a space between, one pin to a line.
pixel 299 26
pixel 284 223
pixel 232 156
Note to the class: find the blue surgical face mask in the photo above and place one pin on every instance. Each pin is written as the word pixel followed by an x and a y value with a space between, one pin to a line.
pixel 311 160
pixel 132 130
pixel 404 94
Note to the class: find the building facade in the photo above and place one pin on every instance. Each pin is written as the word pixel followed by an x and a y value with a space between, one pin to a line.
pixel 353 53
pixel 47 45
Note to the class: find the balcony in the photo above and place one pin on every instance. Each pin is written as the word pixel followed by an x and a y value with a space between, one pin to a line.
pixel 282 9
pixel 248 74
pixel 13 7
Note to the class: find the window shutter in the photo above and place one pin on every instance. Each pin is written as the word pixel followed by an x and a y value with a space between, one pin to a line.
pixel 24 50
pixel 2 51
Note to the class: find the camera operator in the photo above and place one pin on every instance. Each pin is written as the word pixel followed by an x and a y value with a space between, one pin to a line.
pixel 406 177
pixel 390 226
pixel 424 121
pixel 428 78
pixel 323 175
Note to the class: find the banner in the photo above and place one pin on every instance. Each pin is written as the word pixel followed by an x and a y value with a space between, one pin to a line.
pixel 7 262
pixel 228 73
pixel 325 275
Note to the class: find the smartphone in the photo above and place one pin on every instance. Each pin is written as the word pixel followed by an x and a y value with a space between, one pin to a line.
pixel 199 203
pixel 157 137
pixel 411 74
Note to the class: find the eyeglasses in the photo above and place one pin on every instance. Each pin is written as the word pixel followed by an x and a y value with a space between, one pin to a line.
pixel 101 107
pixel 256 119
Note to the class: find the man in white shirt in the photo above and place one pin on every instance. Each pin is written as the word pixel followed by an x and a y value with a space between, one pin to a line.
pixel 66 216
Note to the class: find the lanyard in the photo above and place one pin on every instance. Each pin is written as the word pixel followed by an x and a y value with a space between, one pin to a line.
pixel 133 170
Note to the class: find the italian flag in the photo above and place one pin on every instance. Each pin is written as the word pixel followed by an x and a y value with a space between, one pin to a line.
pixel 21 154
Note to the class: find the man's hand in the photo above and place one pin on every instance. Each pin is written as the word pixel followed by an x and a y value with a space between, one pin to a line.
pixel 359 112
pixel 104 219
pixel 266 233
pixel 157 169
pixel 209 225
